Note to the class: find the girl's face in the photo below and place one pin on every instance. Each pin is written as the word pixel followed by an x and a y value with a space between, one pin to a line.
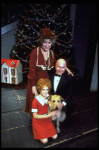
pixel 44 91
pixel 46 45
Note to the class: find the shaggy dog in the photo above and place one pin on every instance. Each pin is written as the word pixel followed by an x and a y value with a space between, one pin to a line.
pixel 54 102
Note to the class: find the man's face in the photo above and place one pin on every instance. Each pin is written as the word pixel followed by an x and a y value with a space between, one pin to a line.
pixel 60 67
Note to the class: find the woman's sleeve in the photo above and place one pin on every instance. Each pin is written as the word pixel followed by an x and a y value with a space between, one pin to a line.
pixel 34 106
pixel 32 67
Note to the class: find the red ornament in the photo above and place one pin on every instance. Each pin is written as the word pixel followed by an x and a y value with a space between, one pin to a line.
pixel 31 10
pixel 62 6
pixel 20 40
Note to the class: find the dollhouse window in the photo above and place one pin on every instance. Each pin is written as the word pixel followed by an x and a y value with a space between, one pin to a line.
pixel 5 70
pixel 13 71
pixel 13 80
pixel 13 63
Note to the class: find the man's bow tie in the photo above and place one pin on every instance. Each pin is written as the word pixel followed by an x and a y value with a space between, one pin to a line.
pixel 57 75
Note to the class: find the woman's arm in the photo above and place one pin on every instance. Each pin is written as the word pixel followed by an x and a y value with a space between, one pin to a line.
pixel 34 90
pixel 69 72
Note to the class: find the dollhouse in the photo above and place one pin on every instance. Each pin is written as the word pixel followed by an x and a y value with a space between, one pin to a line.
pixel 11 71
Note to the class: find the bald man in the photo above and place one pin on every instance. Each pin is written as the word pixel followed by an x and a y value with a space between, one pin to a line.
pixel 62 84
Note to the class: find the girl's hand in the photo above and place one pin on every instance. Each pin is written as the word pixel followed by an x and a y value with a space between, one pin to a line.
pixel 53 113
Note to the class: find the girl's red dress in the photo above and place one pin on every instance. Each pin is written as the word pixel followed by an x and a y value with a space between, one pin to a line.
pixel 42 128
pixel 37 70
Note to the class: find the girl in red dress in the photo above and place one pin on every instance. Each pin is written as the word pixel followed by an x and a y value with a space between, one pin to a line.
pixel 43 127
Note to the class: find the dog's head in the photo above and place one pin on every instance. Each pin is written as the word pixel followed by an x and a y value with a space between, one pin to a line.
pixel 54 102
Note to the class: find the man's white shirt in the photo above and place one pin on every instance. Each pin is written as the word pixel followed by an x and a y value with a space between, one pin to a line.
pixel 56 82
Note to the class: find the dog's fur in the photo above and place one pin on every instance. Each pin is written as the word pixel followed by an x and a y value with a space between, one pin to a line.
pixel 54 102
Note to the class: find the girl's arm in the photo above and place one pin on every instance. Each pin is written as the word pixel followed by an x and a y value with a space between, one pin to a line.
pixel 69 72
pixel 36 116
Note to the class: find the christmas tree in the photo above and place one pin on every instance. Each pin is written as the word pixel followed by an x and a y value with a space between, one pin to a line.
pixel 31 21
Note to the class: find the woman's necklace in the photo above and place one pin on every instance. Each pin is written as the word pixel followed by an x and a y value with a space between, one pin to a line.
pixel 46 56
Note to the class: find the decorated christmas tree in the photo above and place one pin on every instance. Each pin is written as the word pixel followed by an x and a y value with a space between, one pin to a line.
pixel 31 21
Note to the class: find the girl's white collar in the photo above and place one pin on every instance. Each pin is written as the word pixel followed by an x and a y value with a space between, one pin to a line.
pixel 41 99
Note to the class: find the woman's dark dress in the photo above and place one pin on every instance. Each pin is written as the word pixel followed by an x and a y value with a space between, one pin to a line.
pixel 37 70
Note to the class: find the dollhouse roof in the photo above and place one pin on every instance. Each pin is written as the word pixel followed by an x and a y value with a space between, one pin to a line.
pixel 10 62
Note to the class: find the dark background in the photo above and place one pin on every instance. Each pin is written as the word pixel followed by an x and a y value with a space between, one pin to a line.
pixel 85 39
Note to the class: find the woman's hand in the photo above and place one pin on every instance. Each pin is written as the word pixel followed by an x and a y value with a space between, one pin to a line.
pixel 34 91
pixel 69 72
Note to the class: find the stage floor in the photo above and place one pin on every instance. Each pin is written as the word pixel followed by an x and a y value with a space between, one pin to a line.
pixel 16 129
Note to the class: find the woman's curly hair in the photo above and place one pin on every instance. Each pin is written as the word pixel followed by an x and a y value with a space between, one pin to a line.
pixel 41 83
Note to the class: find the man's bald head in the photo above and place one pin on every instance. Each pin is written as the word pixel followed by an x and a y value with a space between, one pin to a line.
pixel 61 62
pixel 60 66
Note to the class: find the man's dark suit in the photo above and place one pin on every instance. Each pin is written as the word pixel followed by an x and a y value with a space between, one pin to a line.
pixel 64 89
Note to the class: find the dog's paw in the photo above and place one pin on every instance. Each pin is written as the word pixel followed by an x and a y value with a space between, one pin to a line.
pixel 58 130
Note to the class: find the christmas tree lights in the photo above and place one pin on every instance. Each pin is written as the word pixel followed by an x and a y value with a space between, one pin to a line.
pixel 38 16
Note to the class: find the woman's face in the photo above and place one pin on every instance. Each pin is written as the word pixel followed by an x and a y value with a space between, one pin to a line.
pixel 46 45
pixel 44 91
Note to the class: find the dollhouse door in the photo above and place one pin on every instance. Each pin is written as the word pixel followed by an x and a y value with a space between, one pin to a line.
pixel 5 73
pixel 13 80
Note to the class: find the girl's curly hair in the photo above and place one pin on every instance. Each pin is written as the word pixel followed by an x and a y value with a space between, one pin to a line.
pixel 41 83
